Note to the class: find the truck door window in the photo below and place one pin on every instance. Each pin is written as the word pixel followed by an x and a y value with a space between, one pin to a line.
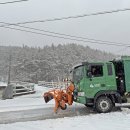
pixel 109 69
pixel 78 73
pixel 97 71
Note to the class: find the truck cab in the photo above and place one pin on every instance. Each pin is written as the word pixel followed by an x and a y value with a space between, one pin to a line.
pixel 102 84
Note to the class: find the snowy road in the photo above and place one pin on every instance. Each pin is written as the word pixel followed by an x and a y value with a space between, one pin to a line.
pixel 109 121
pixel 30 112
pixel 32 107
pixel 41 113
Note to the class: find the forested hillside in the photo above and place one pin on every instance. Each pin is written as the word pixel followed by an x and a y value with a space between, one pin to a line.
pixel 34 64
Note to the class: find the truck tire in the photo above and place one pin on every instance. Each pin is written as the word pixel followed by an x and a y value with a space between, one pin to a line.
pixel 103 104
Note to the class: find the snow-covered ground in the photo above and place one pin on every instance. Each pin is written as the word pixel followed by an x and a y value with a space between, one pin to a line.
pixel 109 121
pixel 25 102
pixel 3 84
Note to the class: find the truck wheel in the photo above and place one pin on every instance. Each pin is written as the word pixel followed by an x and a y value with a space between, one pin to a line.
pixel 103 104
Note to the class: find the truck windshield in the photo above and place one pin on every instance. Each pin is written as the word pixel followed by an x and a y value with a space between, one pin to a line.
pixel 78 73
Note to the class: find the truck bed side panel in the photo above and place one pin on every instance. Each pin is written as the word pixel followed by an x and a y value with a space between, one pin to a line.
pixel 127 74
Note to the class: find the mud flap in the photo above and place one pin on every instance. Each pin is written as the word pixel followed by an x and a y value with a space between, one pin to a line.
pixel 47 97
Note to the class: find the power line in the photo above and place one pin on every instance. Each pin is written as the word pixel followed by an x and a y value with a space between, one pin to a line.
pixel 77 16
pixel 72 36
pixel 70 17
pixel 97 40
pixel 10 2
pixel 74 39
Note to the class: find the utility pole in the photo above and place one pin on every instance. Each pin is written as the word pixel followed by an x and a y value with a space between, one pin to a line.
pixel 9 70
pixel 8 93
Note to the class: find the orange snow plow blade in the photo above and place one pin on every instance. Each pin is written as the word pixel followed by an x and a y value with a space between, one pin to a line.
pixel 61 97
pixel 47 97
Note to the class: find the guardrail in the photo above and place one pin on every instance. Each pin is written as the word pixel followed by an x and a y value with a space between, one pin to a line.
pixel 53 84
pixel 21 88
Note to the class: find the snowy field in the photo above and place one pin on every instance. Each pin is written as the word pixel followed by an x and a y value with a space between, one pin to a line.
pixel 109 121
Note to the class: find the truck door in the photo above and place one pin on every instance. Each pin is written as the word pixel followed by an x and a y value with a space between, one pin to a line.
pixel 95 81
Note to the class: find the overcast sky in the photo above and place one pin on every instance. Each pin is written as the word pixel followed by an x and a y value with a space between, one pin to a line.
pixel 112 27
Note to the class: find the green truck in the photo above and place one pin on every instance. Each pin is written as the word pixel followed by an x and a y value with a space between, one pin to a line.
pixel 102 85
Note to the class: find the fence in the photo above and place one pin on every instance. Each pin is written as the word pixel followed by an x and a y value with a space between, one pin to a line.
pixel 21 88
pixel 53 84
